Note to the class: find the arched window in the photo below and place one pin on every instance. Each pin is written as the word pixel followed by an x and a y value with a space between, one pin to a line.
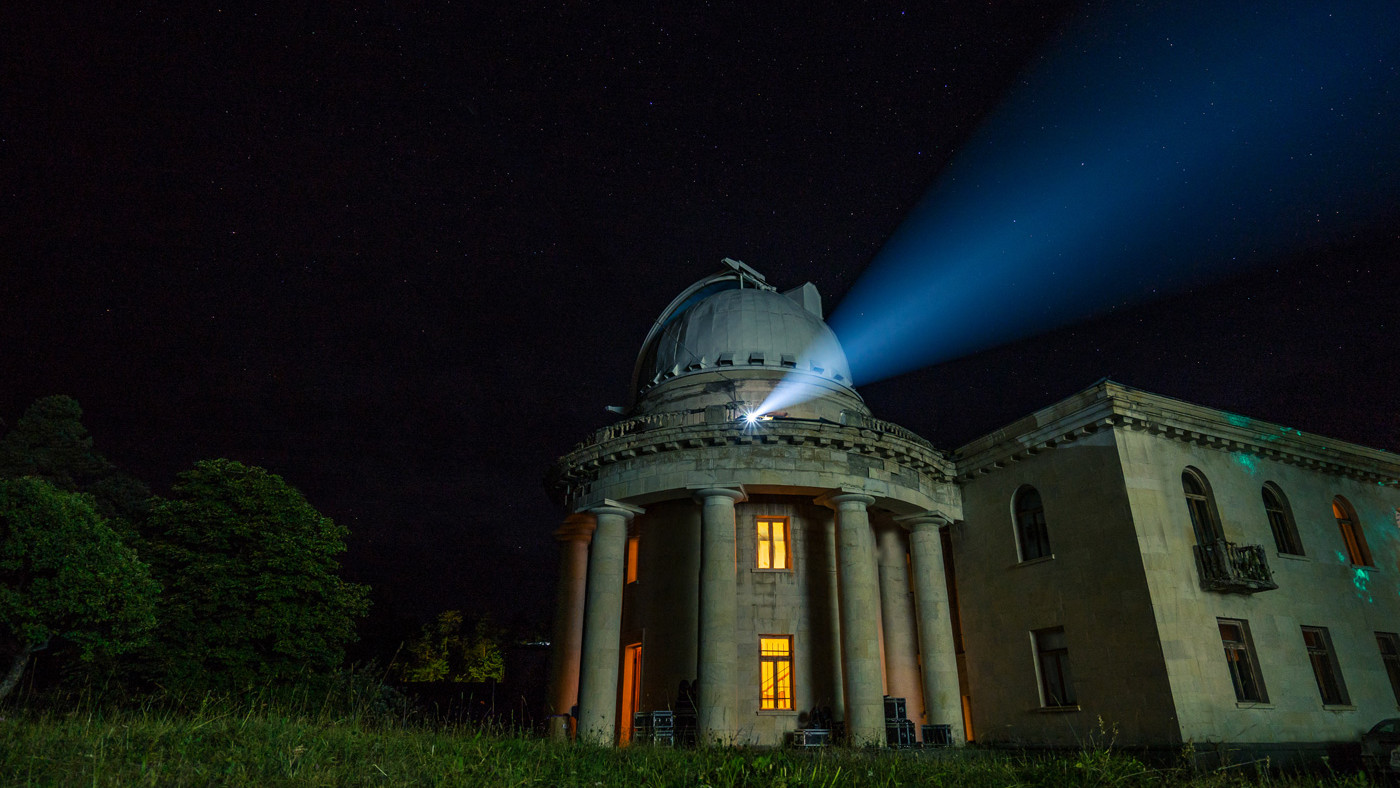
pixel 1352 537
pixel 1201 504
pixel 1031 534
pixel 1281 520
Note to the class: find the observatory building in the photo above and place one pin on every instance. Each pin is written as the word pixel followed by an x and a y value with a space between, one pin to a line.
pixel 752 554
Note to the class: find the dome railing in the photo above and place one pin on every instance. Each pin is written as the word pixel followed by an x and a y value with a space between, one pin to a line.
pixel 853 418
pixel 653 421
pixel 733 414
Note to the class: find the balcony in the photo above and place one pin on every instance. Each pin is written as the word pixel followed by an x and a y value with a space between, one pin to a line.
pixel 1228 568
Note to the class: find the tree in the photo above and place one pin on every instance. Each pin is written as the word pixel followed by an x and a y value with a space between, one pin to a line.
pixel 446 652
pixel 50 442
pixel 64 573
pixel 250 570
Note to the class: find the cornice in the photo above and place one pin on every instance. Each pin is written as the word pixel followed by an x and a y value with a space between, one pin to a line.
pixel 1109 405
pixel 588 459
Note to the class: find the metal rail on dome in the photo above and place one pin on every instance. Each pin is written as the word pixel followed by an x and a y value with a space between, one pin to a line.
pixel 738 273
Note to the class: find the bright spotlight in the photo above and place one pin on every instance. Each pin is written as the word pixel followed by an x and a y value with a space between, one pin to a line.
pixel 751 418
pixel 1149 149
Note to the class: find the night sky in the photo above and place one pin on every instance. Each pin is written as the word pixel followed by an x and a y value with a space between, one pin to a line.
pixel 404 255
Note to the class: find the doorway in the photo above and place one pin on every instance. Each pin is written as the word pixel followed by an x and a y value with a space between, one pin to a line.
pixel 631 690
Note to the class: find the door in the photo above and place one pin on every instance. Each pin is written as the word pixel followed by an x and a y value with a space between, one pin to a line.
pixel 631 689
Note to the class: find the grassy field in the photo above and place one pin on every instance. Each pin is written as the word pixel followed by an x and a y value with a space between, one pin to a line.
pixel 254 742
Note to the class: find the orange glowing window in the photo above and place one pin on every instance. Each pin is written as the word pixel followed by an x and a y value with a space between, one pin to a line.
pixel 775 672
pixel 772 543
pixel 632 544
pixel 1352 536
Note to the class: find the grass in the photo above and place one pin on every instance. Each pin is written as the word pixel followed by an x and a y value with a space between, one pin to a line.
pixel 262 741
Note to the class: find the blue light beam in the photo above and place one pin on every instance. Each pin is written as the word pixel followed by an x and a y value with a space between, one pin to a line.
pixel 1153 149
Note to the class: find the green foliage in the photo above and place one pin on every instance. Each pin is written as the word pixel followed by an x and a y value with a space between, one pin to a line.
pixel 252 591
pixel 446 652
pixel 64 573
pixel 51 443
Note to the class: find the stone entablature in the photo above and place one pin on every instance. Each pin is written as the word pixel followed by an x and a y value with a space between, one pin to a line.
pixel 875 455
pixel 1107 404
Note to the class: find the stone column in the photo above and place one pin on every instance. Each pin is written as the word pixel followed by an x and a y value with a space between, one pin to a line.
pixel 897 615
pixel 860 635
pixel 567 648
pixel 602 623
pixel 942 697
pixel 838 682
pixel 717 708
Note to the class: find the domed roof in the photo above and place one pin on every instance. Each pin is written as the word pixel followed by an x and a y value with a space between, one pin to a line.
pixel 738 321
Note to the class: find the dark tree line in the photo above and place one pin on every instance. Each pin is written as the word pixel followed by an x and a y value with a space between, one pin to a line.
pixel 232 580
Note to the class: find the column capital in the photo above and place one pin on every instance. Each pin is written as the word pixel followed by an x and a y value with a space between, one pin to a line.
pixel 846 499
pixel 734 492
pixel 577 527
pixel 926 519
pixel 608 506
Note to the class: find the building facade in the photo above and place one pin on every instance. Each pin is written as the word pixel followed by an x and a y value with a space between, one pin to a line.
pixel 778 561
pixel 1182 574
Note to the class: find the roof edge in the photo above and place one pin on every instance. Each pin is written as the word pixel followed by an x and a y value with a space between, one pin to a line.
pixel 1108 404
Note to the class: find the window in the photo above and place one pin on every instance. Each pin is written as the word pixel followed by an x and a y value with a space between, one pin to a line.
pixel 1281 520
pixel 1239 656
pixel 633 542
pixel 1389 643
pixel 1324 665
pixel 772 543
pixel 1031 535
pixel 1201 504
pixel 1052 658
pixel 775 672
pixel 1352 536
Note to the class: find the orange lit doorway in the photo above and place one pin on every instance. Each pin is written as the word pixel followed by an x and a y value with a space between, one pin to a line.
pixel 631 689
pixel 967 718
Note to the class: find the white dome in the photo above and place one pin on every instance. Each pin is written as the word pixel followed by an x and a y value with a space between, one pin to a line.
pixel 743 328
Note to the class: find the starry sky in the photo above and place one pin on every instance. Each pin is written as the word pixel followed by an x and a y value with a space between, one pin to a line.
pixel 405 254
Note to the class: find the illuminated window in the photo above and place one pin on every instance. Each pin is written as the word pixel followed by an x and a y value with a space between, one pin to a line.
pixel 1239 656
pixel 1389 643
pixel 775 672
pixel 1352 536
pixel 772 543
pixel 633 542
pixel 1281 520
pixel 1032 537
pixel 1201 504
pixel 1324 665
pixel 1052 658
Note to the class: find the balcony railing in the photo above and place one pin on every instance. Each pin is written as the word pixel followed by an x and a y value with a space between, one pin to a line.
pixel 1229 568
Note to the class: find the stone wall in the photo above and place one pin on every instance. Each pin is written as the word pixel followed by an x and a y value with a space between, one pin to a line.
pixel 1093 586
pixel 1320 588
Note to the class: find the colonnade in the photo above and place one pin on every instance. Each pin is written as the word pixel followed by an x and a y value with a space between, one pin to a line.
pixel 873 599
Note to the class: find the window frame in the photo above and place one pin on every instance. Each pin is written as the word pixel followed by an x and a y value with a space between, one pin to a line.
pixel 772 701
pixel 1030 524
pixel 1200 506
pixel 1323 658
pixel 1281 522
pixel 1052 667
pixel 1390 660
pixel 1353 536
pixel 765 548
pixel 1243 662
pixel 634 547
